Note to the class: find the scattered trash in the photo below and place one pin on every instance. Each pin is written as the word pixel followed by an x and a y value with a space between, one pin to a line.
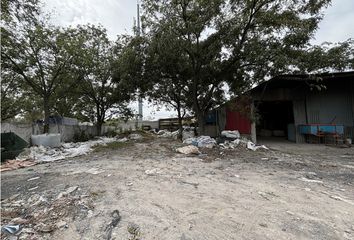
pixel 66 150
pixel 267 195
pixel 115 220
pixel 263 225
pixel 202 141
pixel 254 147
pixel 290 213
pixel 16 164
pixel 135 136
pixel 134 230
pixel 188 132
pixel 32 189
pixel 195 185
pixel 32 179
pixel 45 228
pixel 123 139
pixel 67 192
pixel 152 171
pixel 230 144
pixel 310 180
pixel 167 134
pixel 11 229
pixel 188 150
pixel 61 224
pixel 231 134
pixel 94 171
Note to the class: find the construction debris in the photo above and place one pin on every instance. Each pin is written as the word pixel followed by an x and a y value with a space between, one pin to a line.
pixel 115 220
pixel 66 150
pixel 135 136
pixel 190 149
pixel 152 172
pixel 15 164
pixel 254 147
pixel 11 229
pixel 243 143
pixel 167 134
pixel 231 134
pixel 202 141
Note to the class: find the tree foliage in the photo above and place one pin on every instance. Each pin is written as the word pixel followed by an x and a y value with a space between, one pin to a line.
pixel 234 43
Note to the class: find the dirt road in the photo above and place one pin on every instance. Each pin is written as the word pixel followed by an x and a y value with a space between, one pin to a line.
pixel 146 190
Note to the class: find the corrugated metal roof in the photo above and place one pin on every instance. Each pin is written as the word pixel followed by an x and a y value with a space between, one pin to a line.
pixel 288 80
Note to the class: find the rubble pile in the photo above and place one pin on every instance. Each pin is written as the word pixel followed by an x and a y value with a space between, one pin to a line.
pixel 231 134
pixel 188 132
pixel 190 149
pixel 241 142
pixel 167 134
pixel 39 215
pixel 66 150
pixel 201 141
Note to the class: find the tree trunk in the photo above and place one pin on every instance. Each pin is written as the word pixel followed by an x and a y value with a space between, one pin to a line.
pixel 99 127
pixel 180 127
pixel 46 114
pixel 201 124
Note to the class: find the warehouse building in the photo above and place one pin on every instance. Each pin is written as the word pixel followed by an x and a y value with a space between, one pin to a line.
pixel 299 108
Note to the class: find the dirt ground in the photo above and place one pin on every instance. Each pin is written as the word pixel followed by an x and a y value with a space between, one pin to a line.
pixel 145 190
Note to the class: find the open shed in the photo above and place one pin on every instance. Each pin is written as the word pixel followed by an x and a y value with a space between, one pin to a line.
pixel 299 108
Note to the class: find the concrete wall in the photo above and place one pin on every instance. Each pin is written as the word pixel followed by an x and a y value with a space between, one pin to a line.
pixel 25 130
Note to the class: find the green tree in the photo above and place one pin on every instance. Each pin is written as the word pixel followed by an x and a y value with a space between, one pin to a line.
pixel 238 43
pixel 39 55
pixel 165 76
pixel 100 96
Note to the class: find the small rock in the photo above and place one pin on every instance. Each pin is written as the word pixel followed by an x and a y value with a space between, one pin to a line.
pixel 44 228
pixel 18 220
pixel 61 224
pixel 290 213
pixel 152 172
pixel 188 150
pixel 263 225
pixel 133 229
pixel 71 189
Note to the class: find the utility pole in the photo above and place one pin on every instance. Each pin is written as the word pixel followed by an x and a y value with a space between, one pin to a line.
pixel 140 100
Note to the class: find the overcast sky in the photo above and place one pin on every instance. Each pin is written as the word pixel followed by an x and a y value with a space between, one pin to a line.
pixel 117 16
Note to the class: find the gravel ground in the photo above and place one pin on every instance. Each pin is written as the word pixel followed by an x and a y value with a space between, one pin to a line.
pixel 145 190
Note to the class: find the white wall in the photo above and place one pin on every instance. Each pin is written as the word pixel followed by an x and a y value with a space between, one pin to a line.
pixel 25 130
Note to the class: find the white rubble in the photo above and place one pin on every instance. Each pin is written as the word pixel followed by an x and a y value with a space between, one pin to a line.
pixel 190 149
pixel 188 132
pixel 135 136
pixel 243 143
pixel 66 150
pixel 202 141
pixel 231 134
pixel 254 147
pixel 167 134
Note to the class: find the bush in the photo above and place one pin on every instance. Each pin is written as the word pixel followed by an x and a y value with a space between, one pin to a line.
pixel 81 136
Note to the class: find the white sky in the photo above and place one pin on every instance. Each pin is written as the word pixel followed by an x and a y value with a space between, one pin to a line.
pixel 117 16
